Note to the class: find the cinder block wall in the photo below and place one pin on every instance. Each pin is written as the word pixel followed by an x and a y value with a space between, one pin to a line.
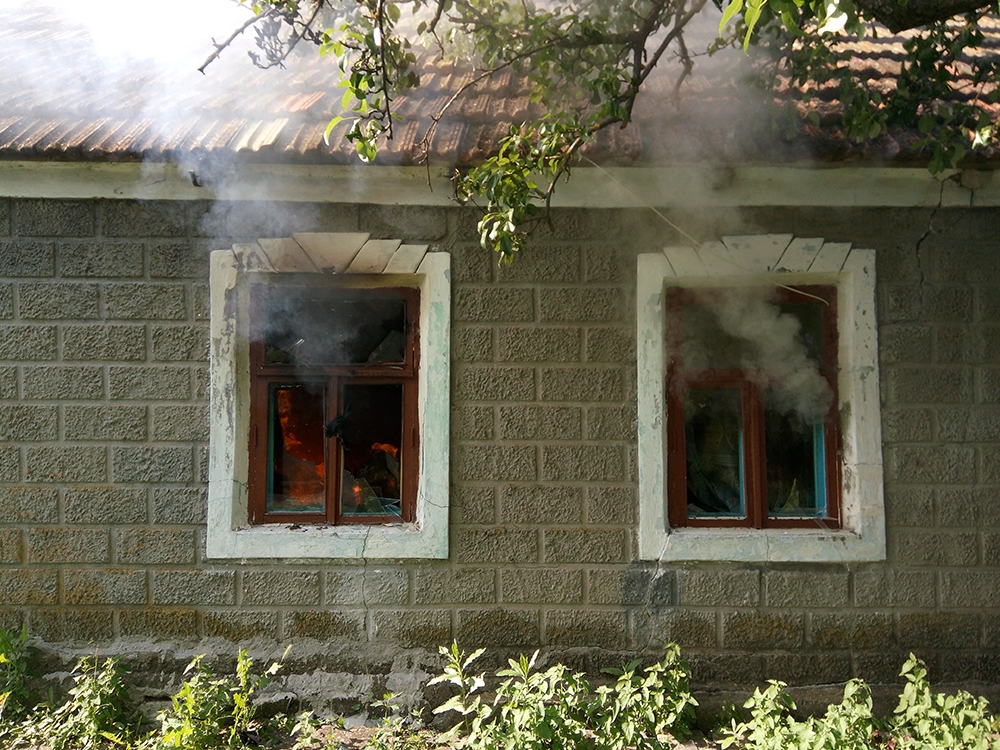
pixel 103 421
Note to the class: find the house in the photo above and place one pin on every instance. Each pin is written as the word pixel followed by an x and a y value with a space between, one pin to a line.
pixel 171 392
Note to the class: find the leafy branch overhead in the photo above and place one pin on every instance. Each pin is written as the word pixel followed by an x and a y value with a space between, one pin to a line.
pixel 586 62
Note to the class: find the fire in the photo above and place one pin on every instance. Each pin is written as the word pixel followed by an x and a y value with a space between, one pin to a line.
pixel 392 450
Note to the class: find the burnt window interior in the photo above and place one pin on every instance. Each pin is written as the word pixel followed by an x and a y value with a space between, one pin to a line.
pixel 752 424
pixel 333 402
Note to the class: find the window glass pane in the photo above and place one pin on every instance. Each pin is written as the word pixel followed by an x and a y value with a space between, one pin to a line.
pixel 796 470
pixel 296 449
pixel 810 317
pixel 707 345
pixel 714 436
pixel 370 429
pixel 325 327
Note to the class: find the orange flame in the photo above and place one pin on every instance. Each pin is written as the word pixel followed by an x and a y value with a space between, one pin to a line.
pixel 392 450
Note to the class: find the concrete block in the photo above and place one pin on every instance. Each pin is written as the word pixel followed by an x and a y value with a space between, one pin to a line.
pixel 611 505
pixel 58 301
pixel 67 545
pixel 580 224
pixel 148 465
pixel 579 627
pixel 472 423
pixel 718 588
pixel 35 505
pixel 762 631
pixel 149 383
pixel 280 587
pixel 10 458
pixel 819 669
pixel 976 589
pixel 536 504
pixel 145 301
pixel 22 423
pixel 587 384
pixel 505 463
pixel 26 259
pixel 688 629
pixel 8 382
pixel 930 385
pixel 541 586
pixel 415 223
pixel 938 630
pixel 159 623
pixel 928 548
pixel 86 626
pixel 53 218
pixel 63 383
pixel 156 546
pixel 518 628
pixel 724 670
pixel 540 423
pixel 881 587
pixel 631 586
pixel 603 263
pixel 441 585
pixel 27 343
pixel 6 301
pixel 905 343
pixel 105 422
pixel 239 625
pixel 853 631
pixel 420 628
pixel 493 304
pixel 585 545
pixel 495 545
pixel 907 425
pixel 470 263
pixel 105 505
pixel 494 383
pixel 202 383
pixel 105 586
pixel 326 626
pixel 101 259
pixel 472 344
pixel 104 343
pixel 612 423
pixel 180 423
pixel 909 506
pixel 578 304
pixel 931 464
pixel 145 219
pixel 200 587
pixel 806 588
pixel 178 260
pixel 544 263
pixel 367 586
pixel 11 547
pixel 590 463
pixel 945 304
pixel 531 344
pixel 960 508
pixel 473 504
pixel 20 586
pixel 179 505
pixel 57 464
pixel 180 343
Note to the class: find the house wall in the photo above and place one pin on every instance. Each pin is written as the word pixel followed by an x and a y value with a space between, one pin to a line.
pixel 103 421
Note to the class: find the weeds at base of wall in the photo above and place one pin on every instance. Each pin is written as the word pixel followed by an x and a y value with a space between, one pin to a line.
pixel 640 708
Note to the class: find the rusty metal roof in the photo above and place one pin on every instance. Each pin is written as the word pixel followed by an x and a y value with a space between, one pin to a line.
pixel 58 103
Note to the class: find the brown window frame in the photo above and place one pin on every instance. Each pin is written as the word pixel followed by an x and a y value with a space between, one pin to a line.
pixel 752 414
pixel 332 378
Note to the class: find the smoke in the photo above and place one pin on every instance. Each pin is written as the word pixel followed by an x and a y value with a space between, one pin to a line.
pixel 745 328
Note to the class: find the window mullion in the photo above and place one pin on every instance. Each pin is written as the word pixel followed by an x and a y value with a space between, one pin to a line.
pixel 754 458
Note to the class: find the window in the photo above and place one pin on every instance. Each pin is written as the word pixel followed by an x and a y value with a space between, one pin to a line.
pixel 333 403
pixel 759 435
pixel 752 433
pixel 329 399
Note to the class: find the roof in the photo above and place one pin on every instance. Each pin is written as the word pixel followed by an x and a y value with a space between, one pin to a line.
pixel 58 103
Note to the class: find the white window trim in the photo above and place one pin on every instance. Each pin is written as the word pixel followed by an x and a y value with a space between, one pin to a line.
pixel 373 263
pixel 767 260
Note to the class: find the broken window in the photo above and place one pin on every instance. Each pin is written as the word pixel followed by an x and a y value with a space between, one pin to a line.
pixel 752 427
pixel 333 403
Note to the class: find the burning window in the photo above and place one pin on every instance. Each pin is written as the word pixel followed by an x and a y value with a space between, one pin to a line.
pixel 752 425
pixel 333 404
